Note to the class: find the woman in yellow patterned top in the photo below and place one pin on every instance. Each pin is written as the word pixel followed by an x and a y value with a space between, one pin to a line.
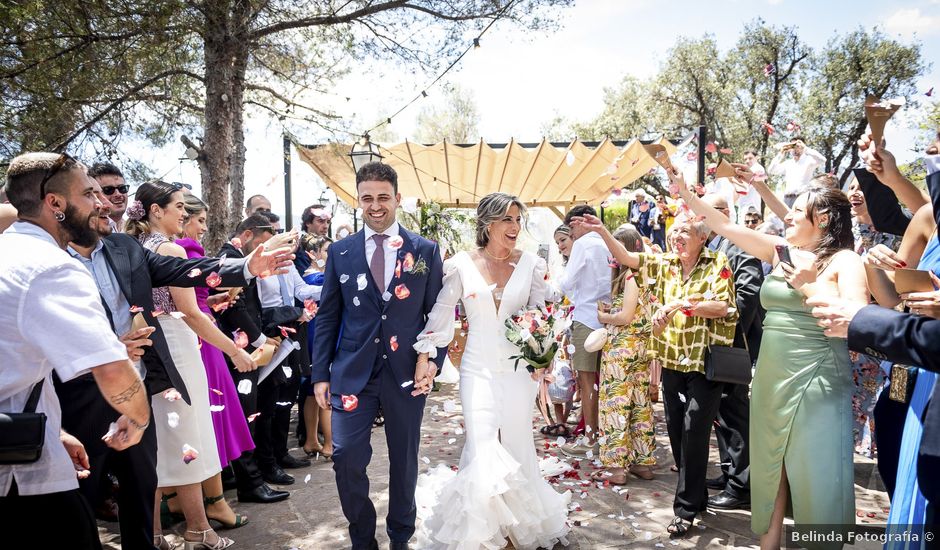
pixel 626 413
pixel 695 290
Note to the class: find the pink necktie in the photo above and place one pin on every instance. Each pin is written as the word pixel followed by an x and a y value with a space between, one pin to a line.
pixel 377 263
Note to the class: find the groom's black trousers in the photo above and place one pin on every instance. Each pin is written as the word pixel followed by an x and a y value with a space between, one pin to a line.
pixel 352 451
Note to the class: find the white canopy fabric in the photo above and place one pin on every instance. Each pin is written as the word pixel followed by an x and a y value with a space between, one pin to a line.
pixel 540 174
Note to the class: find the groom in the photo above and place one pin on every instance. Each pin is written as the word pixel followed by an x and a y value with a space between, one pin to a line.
pixel 380 285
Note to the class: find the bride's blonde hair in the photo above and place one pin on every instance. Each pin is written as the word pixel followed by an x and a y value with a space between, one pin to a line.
pixel 491 209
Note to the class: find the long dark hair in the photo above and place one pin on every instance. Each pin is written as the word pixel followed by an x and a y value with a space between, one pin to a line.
pixel 150 193
pixel 837 235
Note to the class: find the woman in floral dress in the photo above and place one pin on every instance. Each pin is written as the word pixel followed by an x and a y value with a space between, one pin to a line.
pixel 867 374
pixel 626 411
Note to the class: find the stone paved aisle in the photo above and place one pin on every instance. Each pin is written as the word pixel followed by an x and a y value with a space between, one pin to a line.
pixel 634 516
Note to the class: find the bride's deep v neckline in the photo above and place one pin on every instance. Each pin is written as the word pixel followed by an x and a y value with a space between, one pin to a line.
pixel 492 287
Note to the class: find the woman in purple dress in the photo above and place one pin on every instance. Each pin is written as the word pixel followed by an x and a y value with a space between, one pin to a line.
pixel 228 420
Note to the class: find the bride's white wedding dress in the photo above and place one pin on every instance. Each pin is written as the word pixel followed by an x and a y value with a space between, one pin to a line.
pixel 498 492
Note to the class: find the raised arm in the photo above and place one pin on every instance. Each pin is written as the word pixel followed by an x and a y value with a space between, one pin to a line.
pixel 757 244
pixel 776 205
pixel 201 323
pixel 880 259
pixel 617 250
pixel 631 294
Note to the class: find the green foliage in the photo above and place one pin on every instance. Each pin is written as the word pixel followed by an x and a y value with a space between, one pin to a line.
pixel 617 214
pixel 771 76
pixel 446 226
pixel 455 118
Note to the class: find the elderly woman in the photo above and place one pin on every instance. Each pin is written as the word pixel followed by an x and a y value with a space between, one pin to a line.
pixel 696 282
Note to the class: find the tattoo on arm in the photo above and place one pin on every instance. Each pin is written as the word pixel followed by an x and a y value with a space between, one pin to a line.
pixel 127 394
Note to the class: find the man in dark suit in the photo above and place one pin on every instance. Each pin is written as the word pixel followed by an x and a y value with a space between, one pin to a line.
pixel 244 314
pixel 380 285
pixel 126 273
pixel 732 422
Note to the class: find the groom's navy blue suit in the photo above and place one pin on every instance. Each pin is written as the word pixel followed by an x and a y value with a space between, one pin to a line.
pixel 363 347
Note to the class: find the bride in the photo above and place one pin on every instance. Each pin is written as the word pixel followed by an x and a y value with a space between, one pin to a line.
pixel 498 492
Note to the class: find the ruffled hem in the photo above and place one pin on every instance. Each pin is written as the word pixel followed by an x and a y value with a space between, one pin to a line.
pixel 486 503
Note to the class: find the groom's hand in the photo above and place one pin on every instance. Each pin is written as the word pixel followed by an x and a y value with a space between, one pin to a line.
pixel 424 376
pixel 322 392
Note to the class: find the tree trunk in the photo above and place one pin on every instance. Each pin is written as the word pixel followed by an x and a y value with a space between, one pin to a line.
pixel 237 170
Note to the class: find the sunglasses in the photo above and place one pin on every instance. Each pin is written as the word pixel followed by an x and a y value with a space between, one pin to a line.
pixel 751 221
pixel 180 186
pixel 110 189
pixel 52 171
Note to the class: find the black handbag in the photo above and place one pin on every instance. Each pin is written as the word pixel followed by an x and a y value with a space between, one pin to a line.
pixel 728 364
pixel 22 434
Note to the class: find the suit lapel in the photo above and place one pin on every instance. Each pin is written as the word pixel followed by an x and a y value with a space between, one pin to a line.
pixel 121 266
pixel 407 247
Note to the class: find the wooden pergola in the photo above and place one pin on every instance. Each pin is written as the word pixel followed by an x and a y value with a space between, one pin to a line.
pixel 544 174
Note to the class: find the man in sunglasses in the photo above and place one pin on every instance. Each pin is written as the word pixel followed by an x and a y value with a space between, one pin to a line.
pixel 113 187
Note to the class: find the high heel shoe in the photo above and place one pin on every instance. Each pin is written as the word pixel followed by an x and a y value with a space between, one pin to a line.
pixel 168 518
pixel 220 544
pixel 240 520
pixel 160 543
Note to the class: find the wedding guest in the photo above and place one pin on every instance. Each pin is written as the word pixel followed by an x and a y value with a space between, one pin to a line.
pixel 315 418
pixel 667 215
pixel 315 221
pixel 563 241
pixel 643 214
pixel 585 282
pixel 244 316
pixel 55 201
pixel 124 273
pixel 697 282
pixel 867 374
pixel 801 393
pixel 626 411
pixel 277 394
pixel 795 163
pixel 232 436
pixel 114 188
pixel 187 450
pixel 731 424
pixel 257 203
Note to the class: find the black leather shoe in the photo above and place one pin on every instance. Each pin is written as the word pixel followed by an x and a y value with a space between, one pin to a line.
pixel 287 462
pixel 392 545
pixel 263 494
pixel 716 483
pixel 725 501
pixel 277 476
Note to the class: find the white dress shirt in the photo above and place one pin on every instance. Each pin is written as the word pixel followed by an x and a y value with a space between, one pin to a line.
pixel 391 254
pixel 270 289
pixel 51 318
pixel 587 278
pixel 796 173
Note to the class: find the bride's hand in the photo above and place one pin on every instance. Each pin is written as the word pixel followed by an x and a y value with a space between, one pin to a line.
pixel 424 376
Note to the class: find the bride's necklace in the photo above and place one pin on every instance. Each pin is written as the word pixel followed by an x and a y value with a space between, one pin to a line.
pixel 497 258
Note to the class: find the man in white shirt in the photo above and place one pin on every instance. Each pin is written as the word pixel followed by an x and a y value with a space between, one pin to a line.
pixel 796 163
pixel 752 198
pixel 586 282
pixel 46 294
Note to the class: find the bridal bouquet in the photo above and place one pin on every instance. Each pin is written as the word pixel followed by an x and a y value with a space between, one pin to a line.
pixel 537 333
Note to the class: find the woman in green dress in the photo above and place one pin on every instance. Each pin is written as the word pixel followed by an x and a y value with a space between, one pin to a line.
pixel 801 399
pixel 627 437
